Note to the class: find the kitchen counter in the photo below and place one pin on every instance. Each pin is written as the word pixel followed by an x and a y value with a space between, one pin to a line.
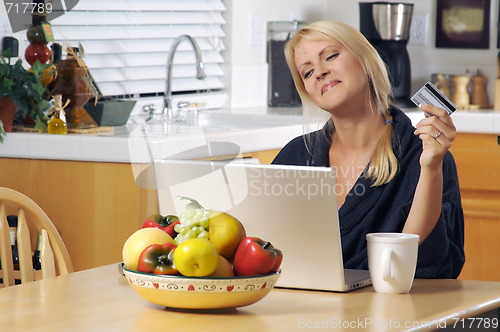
pixel 255 129
pixel 485 121
pixel 139 142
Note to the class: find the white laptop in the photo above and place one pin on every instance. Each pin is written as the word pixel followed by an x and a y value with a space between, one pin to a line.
pixel 293 207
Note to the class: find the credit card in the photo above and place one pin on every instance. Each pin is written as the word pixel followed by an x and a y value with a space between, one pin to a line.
pixel 429 94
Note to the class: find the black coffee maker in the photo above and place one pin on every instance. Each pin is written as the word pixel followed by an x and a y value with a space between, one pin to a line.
pixel 387 25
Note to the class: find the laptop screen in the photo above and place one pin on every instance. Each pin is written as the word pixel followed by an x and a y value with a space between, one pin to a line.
pixel 293 207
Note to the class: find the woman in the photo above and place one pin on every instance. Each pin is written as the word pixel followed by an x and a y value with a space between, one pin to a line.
pixel 394 177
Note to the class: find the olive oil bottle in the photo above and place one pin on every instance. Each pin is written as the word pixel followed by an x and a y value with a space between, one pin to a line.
pixel 57 124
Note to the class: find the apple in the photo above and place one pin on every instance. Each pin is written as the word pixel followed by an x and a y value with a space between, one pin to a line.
pixel 225 233
pixel 223 270
pixel 138 241
pixel 196 257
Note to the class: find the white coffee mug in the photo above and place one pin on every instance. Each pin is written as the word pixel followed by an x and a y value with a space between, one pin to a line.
pixel 392 260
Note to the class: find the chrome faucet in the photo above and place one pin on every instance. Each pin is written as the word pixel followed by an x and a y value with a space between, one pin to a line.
pixel 200 72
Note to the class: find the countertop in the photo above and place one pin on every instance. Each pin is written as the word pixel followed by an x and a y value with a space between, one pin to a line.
pixel 245 130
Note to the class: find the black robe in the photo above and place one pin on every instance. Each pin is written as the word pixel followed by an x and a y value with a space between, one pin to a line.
pixel 385 208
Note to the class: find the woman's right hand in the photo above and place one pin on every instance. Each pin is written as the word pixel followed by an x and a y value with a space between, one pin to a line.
pixel 437 134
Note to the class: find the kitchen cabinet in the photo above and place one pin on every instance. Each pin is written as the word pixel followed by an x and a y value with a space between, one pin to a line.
pixel 94 205
pixel 478 162
pixel 265 157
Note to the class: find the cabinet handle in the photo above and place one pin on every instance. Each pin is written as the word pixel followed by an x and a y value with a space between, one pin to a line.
pixel 498 140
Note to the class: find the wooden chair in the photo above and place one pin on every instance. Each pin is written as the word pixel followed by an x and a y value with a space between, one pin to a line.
pixel 32 220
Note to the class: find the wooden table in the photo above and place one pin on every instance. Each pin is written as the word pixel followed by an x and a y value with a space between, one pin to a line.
pixel 100 299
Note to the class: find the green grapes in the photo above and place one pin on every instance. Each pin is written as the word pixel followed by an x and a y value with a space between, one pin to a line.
pixel 193 223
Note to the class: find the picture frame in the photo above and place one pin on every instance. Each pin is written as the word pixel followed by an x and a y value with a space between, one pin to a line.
pixel 463 24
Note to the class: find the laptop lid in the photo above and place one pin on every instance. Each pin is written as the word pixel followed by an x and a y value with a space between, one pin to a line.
pixel 293 207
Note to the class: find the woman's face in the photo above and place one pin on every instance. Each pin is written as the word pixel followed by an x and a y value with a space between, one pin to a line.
pixel 332 76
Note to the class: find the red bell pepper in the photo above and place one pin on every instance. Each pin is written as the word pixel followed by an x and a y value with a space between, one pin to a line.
pixel 166 223
pixel 256 257
pixel 158 259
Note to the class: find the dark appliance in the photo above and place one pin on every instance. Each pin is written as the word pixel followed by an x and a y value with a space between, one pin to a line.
pixel 281 89
pixel 387 26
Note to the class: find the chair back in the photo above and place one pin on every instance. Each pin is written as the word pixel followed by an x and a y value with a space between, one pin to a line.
pixel 31 221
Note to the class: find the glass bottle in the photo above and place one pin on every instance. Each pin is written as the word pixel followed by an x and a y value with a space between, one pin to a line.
pixel 37 49
pixel 57 124
pixel 37 262
pixel 12 220
pixel 56 55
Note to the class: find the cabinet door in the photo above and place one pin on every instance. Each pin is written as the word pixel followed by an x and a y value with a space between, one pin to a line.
pixel 95 206
pixel 478 163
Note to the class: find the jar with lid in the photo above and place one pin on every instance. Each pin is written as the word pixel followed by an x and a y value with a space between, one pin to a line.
pixel 281 89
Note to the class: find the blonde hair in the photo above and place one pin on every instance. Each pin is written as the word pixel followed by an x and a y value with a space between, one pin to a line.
pixel 383 164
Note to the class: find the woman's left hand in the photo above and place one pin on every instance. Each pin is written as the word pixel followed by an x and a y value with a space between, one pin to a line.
pixel 437 133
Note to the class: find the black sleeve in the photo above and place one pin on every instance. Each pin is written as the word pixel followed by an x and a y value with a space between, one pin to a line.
pixel 441 254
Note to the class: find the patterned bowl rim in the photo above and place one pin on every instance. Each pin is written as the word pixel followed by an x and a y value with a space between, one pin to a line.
pixel 195 279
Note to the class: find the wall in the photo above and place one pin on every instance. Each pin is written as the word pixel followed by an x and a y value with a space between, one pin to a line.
pixel 247 65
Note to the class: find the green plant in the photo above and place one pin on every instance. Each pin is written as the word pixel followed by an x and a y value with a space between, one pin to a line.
pixel 25 88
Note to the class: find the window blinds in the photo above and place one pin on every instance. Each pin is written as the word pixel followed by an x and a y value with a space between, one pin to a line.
pixel 126 43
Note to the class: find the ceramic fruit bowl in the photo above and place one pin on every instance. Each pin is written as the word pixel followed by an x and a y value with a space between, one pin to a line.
pixel 200 293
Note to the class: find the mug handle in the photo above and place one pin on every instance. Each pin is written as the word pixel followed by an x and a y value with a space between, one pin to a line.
pixel 386 264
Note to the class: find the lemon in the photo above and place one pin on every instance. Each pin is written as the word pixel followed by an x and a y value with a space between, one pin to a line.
pixel 196 258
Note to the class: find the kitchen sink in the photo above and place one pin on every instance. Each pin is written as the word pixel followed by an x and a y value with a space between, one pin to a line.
pixel 217 119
